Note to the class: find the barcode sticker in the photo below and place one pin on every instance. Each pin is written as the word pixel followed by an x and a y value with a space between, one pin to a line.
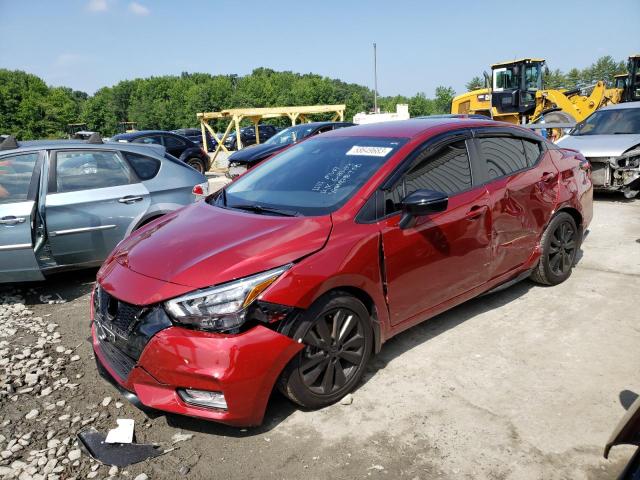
pixel 369 151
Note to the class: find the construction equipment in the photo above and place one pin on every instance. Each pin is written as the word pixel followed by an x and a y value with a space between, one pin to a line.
pixel 516 95
pixel 127 127
pixel 629 83
pixel 78 131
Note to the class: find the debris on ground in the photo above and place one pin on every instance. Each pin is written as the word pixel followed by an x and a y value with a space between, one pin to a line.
pixel 347 399
pixel 123 433
pixel 118 454
pixel 181 437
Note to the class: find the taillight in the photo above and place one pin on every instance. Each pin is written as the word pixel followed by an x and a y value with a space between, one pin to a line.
pixel 201 189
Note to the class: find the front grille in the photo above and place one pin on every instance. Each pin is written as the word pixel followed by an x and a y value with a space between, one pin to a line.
pixel 115 314
pixel 114 323
pixel 118 361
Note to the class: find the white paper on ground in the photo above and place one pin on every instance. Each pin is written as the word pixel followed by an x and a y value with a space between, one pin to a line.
pixel 123 433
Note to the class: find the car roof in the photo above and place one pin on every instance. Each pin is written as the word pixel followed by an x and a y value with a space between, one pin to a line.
pixel 620 106
pixel 33 145
pixel 140 133
pixel 413 127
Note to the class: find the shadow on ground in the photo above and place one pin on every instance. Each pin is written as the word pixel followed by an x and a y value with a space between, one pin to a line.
pixel 65 286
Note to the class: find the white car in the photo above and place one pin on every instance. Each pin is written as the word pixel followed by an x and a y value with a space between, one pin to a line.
pixel 610 139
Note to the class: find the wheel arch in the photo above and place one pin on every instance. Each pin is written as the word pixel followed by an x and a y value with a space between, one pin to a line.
pixel 369 304
pixel 575 213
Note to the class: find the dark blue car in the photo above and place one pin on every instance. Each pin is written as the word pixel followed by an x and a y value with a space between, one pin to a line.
pixel 248 157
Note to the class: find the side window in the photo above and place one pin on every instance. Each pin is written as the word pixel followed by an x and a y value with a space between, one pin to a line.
pixel 502 155
pixel 532 151
pixel 328 128
pixel 15 177
pixel 447 170
pixel 149 140
pixel 86 170
pixel 173 142
pixel 145 167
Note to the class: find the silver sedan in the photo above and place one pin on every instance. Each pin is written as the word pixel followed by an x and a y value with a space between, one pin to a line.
pixel 610 139
pixel 66 204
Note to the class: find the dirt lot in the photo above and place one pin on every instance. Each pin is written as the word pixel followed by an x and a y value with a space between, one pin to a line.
pixel 521 384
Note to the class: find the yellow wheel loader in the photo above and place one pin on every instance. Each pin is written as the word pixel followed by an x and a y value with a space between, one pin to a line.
pixel 516 95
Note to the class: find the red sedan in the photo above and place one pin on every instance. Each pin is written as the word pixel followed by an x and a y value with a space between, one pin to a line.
pixel 299 271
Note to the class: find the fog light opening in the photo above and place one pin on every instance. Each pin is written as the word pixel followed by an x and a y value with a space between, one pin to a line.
pixel 203 398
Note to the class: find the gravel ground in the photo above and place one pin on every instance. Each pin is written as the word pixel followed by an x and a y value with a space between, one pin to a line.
pixel 521 384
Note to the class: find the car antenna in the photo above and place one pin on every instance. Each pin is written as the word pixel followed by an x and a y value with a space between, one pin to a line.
pixel 95 138
pixel 9 143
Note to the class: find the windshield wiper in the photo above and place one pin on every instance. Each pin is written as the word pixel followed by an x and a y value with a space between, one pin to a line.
pixel 259 209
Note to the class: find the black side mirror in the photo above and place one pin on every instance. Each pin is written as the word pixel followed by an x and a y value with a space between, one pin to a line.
pixel 421 202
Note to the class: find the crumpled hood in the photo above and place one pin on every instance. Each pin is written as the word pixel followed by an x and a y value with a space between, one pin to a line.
pixel 255 153
pixel 202 245
pixel 600 145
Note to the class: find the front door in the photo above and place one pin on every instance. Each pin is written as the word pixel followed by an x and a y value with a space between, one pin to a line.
pixel 94 200
pixel 19 180
pixel 445 254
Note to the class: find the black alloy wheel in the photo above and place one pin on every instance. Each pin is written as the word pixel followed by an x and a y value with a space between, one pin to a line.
pixel 337 337
pixel 335 349
pixel 562 251
pixel 559 243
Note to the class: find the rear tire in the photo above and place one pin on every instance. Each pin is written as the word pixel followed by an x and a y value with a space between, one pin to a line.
pixel 338 339
pixel 560 243
pixel 197 164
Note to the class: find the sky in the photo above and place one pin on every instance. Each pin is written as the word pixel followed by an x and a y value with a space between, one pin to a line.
pixel 88 44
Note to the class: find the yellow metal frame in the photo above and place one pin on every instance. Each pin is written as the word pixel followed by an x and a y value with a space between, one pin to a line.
pixel 236 115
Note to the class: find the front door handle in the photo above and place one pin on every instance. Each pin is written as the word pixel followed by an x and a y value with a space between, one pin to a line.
pixel 475 212
pixel 11 220
pixel 129 199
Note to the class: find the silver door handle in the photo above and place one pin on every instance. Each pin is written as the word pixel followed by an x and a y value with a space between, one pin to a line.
pixel 12 220
pixel 129 199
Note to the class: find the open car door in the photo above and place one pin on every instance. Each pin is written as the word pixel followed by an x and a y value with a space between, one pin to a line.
pixel 20 175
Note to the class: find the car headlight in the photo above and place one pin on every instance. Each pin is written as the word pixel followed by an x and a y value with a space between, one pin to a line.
pixel 223 307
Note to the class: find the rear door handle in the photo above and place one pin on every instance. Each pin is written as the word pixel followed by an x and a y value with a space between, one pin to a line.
pixel 11 220
pixel 475 212
pixel 130 199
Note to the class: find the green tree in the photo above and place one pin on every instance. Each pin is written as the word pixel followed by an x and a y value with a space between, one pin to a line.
pixel 443 99
pixel 474 84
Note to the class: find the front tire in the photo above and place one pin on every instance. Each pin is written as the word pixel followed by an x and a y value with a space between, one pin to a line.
pixel 338 339
pixel 560 243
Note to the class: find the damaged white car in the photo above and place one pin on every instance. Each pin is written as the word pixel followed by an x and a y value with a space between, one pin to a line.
pixel 610 140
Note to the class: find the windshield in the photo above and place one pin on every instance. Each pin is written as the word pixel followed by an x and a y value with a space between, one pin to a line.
pixel 610 122
pixel 291 135
pixel 508 78
pixel 316 177
pixel 533 76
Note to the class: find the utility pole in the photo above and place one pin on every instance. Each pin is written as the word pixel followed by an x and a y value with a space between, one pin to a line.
pixel 375 79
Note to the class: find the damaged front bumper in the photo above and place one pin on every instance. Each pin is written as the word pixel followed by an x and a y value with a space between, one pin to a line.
pixel 620 173
pixel 160 366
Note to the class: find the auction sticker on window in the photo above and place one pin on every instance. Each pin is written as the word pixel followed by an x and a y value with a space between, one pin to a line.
pixel 364 151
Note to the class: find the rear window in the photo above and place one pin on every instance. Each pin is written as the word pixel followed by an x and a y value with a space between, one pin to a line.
pixel 145 167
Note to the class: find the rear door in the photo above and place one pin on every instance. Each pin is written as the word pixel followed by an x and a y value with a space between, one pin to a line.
pixel 94 200
pixel 19 182
pixel 523 186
